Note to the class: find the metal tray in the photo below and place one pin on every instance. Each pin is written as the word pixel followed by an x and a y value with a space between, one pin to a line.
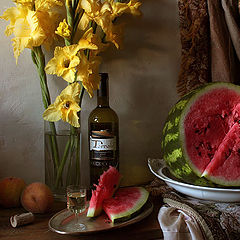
pixel 62 221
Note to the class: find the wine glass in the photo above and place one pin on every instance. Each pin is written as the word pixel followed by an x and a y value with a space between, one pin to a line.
pixel 76 202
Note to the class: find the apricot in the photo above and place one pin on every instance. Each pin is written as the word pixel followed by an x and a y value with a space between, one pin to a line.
pixel 10 191
pixel 37 198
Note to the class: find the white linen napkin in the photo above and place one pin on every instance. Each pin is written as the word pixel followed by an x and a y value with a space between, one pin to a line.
pixel 178 225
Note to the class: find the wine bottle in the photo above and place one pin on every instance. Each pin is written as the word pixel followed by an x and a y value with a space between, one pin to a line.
pixel 103 131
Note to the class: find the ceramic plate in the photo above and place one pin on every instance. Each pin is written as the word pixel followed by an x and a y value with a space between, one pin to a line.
pixel 62 221
pixel 160 170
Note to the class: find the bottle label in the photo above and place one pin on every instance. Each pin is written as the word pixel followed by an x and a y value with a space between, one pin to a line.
pixel 103 145
pixel 99 144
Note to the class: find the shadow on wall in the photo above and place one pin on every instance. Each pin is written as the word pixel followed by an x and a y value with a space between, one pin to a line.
pixel 150 31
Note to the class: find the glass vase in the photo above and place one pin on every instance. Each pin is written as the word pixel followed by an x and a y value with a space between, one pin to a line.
pixel 62 149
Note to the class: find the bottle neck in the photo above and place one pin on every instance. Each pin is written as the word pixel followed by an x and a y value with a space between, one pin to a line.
pixel 103 101
pixel 102 92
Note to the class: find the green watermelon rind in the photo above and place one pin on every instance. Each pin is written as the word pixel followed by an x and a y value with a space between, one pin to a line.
pixel 172 145
pixel 173 142
pixel 222 181
pixel 138 205
pixel 92 212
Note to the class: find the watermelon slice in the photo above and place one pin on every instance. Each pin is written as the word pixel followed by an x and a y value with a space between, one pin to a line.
pixel 201 137
pixel 125 203
pixel 108 183
pixel 227 155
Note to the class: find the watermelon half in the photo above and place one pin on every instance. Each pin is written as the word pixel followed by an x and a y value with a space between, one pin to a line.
pixel 125 203
pixel 108 183
pixel 201 137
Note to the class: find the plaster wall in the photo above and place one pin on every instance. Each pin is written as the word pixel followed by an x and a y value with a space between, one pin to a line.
pixel 143 80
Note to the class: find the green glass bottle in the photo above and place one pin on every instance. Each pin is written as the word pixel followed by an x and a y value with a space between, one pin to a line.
pixel 103 134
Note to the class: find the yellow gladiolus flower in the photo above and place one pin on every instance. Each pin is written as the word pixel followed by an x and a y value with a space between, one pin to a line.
pixel 91 83
pixel 48 21
pixel 45 5
pixel 63 30
pixel 26 3
pixel 66 59
pixel 115 35
pixel 49 16
pixel 87 72
pixel 98 42
pixel 64 62
pixel 92 11
pixel 97 12
pixel 66 106
pixel 46 16
pixel 104 14
pixel 40 4
pixel 23 2
pixel 134 7
pixel 25 25
pixel 87 40
pixel 117 8
pixel 91 7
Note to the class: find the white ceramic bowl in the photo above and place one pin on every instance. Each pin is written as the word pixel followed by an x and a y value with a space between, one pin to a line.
pixel 159 169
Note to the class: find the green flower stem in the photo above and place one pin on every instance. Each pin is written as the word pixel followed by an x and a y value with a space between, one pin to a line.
pixel 70 18
pixel 94 26
pixel 81 95
pixel 71 144
pixel 70 13
pixel 39 60
pixel 75 4
pixel 73 19
pixel 78 159
pixel 63 162
pixel 75 148
pixel 67 42
pixel 54 145
pixel 70 162
pixel 76 22
pixel 78 141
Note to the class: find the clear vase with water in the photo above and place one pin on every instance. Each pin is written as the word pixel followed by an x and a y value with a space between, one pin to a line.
pixel 62 150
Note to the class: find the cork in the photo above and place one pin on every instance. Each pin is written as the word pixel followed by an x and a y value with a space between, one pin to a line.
pixel 21 219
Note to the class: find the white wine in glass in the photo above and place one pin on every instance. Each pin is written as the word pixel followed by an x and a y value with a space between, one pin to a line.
pixel 76 203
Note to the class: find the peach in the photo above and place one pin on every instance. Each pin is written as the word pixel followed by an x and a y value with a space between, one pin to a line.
pixel 10 191
pixel 37 198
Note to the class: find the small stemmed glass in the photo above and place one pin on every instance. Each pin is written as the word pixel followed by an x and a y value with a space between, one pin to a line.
pixel 76 202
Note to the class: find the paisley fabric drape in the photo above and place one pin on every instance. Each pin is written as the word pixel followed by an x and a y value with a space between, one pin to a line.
pixel 209 219
pixel 210 39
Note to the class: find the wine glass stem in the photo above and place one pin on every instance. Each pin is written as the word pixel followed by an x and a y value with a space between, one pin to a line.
pixel 77 218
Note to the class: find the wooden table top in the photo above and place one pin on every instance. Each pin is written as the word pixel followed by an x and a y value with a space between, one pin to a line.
pixel 147 228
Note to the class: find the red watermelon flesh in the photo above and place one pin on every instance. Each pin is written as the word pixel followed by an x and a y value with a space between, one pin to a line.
pixel 108 183
pixel 212 133
pixel 226 160
pixel 126 202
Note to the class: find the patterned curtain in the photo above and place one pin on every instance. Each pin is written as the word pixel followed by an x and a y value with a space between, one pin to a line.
pixel 210 39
